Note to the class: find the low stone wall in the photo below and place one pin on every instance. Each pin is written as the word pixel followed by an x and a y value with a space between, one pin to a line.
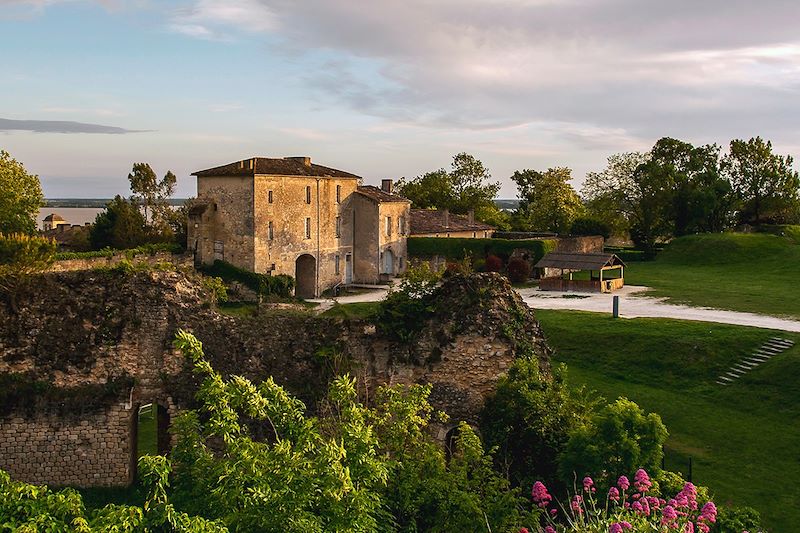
pixel 84 451
pixel 67 265
pixel 580 245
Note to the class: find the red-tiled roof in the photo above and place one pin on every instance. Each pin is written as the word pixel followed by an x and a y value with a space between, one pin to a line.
pixel 286 166
pixel 379 195
pixel 427 221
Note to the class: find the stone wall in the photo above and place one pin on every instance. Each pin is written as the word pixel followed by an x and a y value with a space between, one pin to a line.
pixel 78 330
pixel 66 265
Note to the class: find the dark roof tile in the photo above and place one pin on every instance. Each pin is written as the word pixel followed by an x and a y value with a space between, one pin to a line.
pixel 427 221
pixel 287 166
pixel 379 195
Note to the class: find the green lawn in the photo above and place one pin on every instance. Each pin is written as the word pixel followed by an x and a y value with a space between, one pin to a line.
pixel 743 438
pixel 757 272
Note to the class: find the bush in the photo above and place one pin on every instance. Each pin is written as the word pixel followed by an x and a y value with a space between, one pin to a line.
pixel 590 226
pixel 519 270
pixel 403 312
pixel 216 288
pixel 130 253
pixel 262 284
pixel 458 248
pixel 493 263
pixel 22 256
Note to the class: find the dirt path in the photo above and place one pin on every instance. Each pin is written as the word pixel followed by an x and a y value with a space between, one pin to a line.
pixel 634 304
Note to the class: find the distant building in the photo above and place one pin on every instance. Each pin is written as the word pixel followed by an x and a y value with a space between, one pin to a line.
pixel 442 223
pixel 52 221
pixel 290 216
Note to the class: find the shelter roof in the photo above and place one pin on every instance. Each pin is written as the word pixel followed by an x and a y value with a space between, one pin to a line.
pixel 579 261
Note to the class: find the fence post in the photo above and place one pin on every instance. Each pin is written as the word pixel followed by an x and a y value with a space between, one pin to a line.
pixel 616 307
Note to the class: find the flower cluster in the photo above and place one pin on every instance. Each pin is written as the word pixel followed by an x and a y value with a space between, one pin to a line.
pixel 624 511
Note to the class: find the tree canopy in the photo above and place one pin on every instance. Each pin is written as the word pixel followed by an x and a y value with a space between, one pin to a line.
pixel 152 194
pixel 547 200
pixel 120 226
pixel 20 197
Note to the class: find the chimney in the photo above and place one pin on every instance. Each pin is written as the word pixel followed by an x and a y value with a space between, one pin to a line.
pixel 471 216
pixel 386 186
pixel 446 213
pixel 305 160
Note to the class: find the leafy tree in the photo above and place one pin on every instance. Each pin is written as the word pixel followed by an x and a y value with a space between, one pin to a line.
pixel 618 439
pixel 610 195
pixel 590 226
pixel 120 226
pixel 467 186
pixel 152 194
pixel 22 256
pixel 547 200
pixel 20 197
pixel 529 419
pixel 765 182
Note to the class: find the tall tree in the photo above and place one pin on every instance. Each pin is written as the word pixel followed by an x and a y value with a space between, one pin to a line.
pixel 120 226
pixel 20 197
pixel 610 194
pixel 152 194
pixel 765 182
pixel 467 186
pixel 547 200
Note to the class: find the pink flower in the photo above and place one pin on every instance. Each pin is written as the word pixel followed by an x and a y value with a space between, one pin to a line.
pixel 641 480
pixel 553 512
pixel 615 528
pixel 613 494
pixel 540 495
pixel 549 529
pixel 523 530
pixel 623 483
pixel 703 528
pixel 645 507
pixel 669 516
pixel 637 506
pixel 689 528
pixel 576 504
pixel 708 513
pixel 587 483
pixel 626 525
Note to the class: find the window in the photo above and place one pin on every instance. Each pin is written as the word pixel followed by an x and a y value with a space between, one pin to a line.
pixel 338 226
pixel 388 225
pixel 338 194
pixel 401 225
pixel 474 234
pixel 336 264
pixel 270 231
pixel 308 194
pixel 400 262
pixel 269 197
pixel 308 228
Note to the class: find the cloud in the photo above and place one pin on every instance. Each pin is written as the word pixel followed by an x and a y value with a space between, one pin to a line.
pixel 59 126
pixel 221 19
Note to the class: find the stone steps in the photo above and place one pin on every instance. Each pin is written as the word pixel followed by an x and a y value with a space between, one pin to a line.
pixel 762 354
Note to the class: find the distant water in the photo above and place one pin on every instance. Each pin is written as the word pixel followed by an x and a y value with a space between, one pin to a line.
pixel 73 215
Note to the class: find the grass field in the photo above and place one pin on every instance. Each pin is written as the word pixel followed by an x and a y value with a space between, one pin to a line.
pixel 743 438
pixel 757 272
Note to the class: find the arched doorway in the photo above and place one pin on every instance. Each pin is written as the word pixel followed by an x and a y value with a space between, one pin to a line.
pixel 388 262
pixel 305 275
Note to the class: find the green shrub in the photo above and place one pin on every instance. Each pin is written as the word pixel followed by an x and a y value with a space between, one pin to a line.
pixel 458 248
pixel 216 288
pixel 22 256
pixel 130 253
pixel 590 226
pixel 262 284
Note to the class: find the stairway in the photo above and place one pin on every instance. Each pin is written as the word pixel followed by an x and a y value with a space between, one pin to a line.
pixel 773 346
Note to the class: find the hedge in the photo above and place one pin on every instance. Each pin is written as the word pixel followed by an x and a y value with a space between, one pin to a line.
pixel 148 249
pixel 457 248
pixel 262 284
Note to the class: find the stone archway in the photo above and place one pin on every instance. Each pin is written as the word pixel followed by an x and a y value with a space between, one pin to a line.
pixel 305 275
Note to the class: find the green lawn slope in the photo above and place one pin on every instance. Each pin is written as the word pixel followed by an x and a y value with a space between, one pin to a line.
pixel 758 272
pixel 743 438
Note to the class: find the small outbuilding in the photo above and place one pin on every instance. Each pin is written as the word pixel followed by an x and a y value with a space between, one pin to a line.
pixel 581 272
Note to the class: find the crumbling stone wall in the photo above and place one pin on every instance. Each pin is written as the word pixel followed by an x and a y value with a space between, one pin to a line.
pixel 66 265
pixel 111 333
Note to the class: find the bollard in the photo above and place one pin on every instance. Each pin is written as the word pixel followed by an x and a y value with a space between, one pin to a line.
pixel 616 306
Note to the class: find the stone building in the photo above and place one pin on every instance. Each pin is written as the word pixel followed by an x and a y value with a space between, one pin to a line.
pixel 52 221
pixel 290 216
pixel 442 223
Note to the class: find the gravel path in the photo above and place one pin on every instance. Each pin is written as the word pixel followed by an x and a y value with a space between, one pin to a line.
pixel 634 303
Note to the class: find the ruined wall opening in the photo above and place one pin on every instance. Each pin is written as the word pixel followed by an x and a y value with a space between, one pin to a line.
pixel 305 276
pixel 451 442
pixel 149 432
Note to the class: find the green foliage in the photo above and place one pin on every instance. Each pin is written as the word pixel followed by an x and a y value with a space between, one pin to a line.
pixel 528 420
pixel 359 310
pixel 153 196
pixel 458 248
pixel 21 257
pixel 617 439
pixel 467 186
pixel 590 226
pixel 122 225
pixel 405 309
pixel 262 284
pixel 130 253
pixel 216 288
pixel 547 200
pixel 20 197
pixel 610 194
pixel 737 519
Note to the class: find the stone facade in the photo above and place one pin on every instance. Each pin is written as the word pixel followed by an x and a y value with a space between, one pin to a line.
pixel 87 331
pixel 289 216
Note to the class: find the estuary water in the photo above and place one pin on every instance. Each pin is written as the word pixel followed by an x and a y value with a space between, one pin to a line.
pixel 73 215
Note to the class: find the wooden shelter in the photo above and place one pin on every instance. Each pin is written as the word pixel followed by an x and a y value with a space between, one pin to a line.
pixel 559 270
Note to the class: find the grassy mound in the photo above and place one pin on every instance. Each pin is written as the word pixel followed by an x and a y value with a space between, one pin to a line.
pixel 756 273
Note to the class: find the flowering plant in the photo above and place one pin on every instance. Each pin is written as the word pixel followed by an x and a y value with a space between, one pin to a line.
pixel 627 507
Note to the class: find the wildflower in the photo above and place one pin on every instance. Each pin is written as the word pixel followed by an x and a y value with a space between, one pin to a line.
pixel 613 494
pixel 540 495
pixel 576 504
pixel 626 525
pixel 587 483
pixel 549 529
pixel 688 528
pixel 623 483
pixel 615 528
pixel 641 480
pixel 523 530
pixel 637 506
pixel 708 513
pixel 553 512
pixel 669 516
pixel 645 507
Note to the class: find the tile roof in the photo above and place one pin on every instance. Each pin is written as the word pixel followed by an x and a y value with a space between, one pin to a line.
pixel 576 261
pixel 53 217
pixel 426 221
pixel 379 195
pixel 286 166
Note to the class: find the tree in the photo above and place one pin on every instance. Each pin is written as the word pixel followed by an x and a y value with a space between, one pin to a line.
pixel 20 197
pixel 467 186
pixel 547 200
pixel 152 194
pixel 120 226
pixel 765 182
pixel 610 194
pixel 22 256
pixel 590 226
